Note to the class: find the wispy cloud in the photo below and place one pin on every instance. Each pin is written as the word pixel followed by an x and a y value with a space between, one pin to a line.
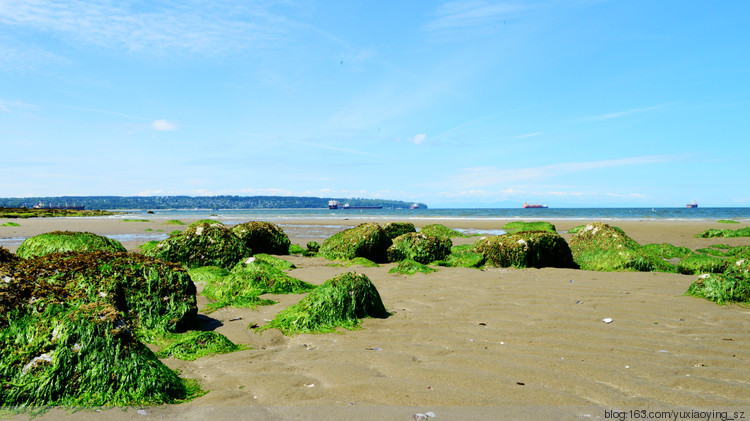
pixel 418 139
pixel 473 17
pixel 626 113
pixel 528 135
pixel 163 125
pixel 8 106
pixel 190 26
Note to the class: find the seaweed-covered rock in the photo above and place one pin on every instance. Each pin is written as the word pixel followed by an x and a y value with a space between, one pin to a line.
pixel 70 325
pixel 410 267
pixel 62 241
pixel 526 249
pixel 202 245
pixel 205 221
pixel 516 226
pixel 696 264
pixel 190 346
pixel 721 288
pixel 367 240
pixel 80 354
pixel 439 230
pixel 395 229
pixel 339 302
pixel 419 247
pixel 604 248
pixel 668 251
pixel 250 279
pixel 462 256
pixel 725 233
pixel 313 248
pixel 263 237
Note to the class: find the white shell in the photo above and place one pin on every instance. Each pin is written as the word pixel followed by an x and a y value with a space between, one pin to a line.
pixel 607 320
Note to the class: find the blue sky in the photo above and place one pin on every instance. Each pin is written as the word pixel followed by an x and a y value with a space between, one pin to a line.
pixel 454 104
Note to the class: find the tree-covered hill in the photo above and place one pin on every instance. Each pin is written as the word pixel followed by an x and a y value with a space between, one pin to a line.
pixel 200 202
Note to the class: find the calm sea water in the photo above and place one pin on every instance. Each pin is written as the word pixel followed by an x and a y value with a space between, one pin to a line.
pixel 236 215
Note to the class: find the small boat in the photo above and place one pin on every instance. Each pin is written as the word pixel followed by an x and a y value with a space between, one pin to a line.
pixel 692 205
pixel 534 206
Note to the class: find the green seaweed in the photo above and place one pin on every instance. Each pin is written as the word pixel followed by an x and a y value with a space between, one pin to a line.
pixel 462 256
pixel 339 302
pixel 296 249
pixel 62 241
pixel 727 221
pixel 361 261
pixel 724 251
pixel 173 222
pixel 516 226
pixel 439 230
pixel 526 249
pixel 313 248
pixel 192 345
pixel 395 229
pixel 263 237
pixel 10 224
pixel 136 220
pixel 205 274
pixel 201 245
pixel 721 288
pixel 696 264
pixel 205 221
pixel 367 240
pixel 576 229
pixel 247 281
pixel 410 267
pixel 725 233
pixel 419 247
pixel 668 251
pixel 601 247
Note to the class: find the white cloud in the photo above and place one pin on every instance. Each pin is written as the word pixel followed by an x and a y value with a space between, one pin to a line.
pixel 163 125
pixel 418 139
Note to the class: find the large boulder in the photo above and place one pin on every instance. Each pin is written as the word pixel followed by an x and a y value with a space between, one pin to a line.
pixel 526 249
pixel 419 247
pixel 62 241
pixel 394 229
pixel 202 245
pixel 339 302
pixel 367 240
pixel 598 246
pixel 263 237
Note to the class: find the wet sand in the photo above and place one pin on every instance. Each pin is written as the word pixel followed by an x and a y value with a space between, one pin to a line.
pixel 471 344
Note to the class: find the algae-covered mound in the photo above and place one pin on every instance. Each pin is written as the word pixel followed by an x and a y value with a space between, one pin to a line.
pixel 367 240
pixel 205 221
pixel 190 346
pixel 601 247
pixel 339 302
pixel 439 230
pixel 526 249
pixel 696 264
pixel 201 245
pixel 725 233
pixel 207 273
pixel 395 229
pixel 157 295
pixel 668 251
pixel 62 241
pixel 361 261
pixel 80 354
pixel 516 226
pixel 410 267
pixel 250 279
pixel 313 248
pixel 419 247
pixel 721 288
pixel 70 325
pixel 463 256
pixel 263 237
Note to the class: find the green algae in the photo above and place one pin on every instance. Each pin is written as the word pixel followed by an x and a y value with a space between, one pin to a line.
pixel 361 261
pixel 313 248
pixel 339 302
pixel 296 249
pixel 395 229
pixel 276 262
pixel 410 267
pixel 721 288
pixel 247 281
pixel 173 222
pixel 62 241
pixel 516 226
pixel 462 256
pixel 419 247
pixel 727 221
pixel 526 249
pixel 602 247
pixel 10 224
pixel 725 233
pixel 192 345
pixel 668 251
pixel 205 221
pixel 135 220
pixel 201 245
pixel 205 274
pixel 722 250
pixel 367 240
pixel 263 237
pixel 439 230
pixel 696 264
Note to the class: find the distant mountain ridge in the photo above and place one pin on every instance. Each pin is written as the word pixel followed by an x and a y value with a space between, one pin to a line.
pixel 201 202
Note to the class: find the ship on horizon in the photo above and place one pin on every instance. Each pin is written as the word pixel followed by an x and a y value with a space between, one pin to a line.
pixel 692 205
pixel 534 206
pixel 335 204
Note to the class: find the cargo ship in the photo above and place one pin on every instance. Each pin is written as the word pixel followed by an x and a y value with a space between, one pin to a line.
pixel 335 204
pixel 534 206
pixel 692 205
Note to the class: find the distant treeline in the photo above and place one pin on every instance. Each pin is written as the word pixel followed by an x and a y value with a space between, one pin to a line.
pixel 200 202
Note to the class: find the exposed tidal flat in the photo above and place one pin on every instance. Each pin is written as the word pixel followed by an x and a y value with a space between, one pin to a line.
pixel 463 343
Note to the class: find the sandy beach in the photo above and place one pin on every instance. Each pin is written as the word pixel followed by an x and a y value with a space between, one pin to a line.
pixel 467 343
